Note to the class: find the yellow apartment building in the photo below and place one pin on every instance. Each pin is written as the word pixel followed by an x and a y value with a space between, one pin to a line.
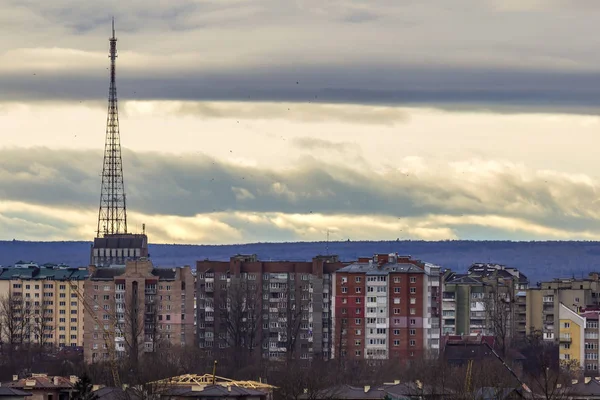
pixel 571 335
pixel 47 299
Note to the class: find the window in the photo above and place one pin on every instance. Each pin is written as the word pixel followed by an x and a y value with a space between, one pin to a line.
pixel 358 290
pixel 357 279
pixel 357 332
pixel 357 353
pixel 358 311
pixel 413 321
pixel 592 324
pixel 344 300
pixel 344 279
pixel 413 300
pixel 344 290
pixel 412 332
pixel 357 342
pixel 396 342
pixel 396 279
pixel 413 311
pixel 413 279
pixel 396 300
pixel 413 290
pixel 396 290
pixel 566 325
pixel 396 332
pixel 396 311
pixel 413 343
pixel 357 300
pixel 357 321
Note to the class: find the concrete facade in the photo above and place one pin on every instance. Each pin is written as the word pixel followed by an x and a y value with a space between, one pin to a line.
pixel 466 296
pixel 544 301
pixel 153 307
pixel 47 297
pixel 291 300
pixel 386 307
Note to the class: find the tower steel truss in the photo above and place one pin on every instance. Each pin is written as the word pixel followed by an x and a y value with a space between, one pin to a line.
pixel 112 215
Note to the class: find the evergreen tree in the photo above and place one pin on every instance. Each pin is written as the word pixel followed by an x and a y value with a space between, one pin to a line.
pixel 83 389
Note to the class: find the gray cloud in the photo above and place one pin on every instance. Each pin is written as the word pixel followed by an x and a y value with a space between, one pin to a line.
pixel 416 53
pixel 479 89
pixel 187 185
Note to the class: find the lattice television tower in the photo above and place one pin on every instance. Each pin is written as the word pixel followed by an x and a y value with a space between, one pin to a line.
pixel 112 216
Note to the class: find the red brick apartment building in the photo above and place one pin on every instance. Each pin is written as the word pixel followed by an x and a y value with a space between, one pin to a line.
pixel 156 305
pixel 290 300
pixel 386 307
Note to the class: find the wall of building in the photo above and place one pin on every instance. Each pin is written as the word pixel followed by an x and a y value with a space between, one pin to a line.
pixel 571 338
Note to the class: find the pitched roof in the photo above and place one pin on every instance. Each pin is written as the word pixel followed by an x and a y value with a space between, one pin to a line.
pixel 10 392
pixel 592 388
pixel 41 381
pixel 214 391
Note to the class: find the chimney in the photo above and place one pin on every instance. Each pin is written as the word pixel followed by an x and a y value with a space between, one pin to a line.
pixel 229 388
pixel 73 379
pixel 15 378
pixel 55 380
pixel 367 388
pixel 587 380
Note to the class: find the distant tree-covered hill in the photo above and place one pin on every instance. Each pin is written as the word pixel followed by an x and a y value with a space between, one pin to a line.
pixel 538 260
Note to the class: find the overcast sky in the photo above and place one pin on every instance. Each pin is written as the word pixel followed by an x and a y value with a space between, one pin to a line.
pixel 269 120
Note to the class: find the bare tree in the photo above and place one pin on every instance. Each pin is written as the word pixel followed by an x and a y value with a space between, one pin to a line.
pixel 294 313
pixel 309 380
pixel 41 326
pixel 14 321
pixel 241 317
pixel 548 377
pixel 498 316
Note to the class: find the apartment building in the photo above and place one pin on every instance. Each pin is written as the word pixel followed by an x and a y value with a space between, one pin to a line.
pixel 45 303
pixel 138 303
pixel 543 302
pixel 468 299
pixel 386 307
pixel 579 338
pixel 285 306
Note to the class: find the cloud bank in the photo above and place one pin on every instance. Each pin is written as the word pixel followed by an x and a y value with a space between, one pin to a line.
pixel 195 198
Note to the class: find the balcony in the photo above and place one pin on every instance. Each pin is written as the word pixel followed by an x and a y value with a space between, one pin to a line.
pixel 565 338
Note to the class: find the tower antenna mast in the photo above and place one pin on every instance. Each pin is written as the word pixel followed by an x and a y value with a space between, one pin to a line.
pixel 112 215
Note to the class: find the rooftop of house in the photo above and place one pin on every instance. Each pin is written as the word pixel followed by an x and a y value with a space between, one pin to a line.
pixel 11 392
pixel 394 390
pixel 44 272
pixel 42 381
pixel 585 387
pixel 214 391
